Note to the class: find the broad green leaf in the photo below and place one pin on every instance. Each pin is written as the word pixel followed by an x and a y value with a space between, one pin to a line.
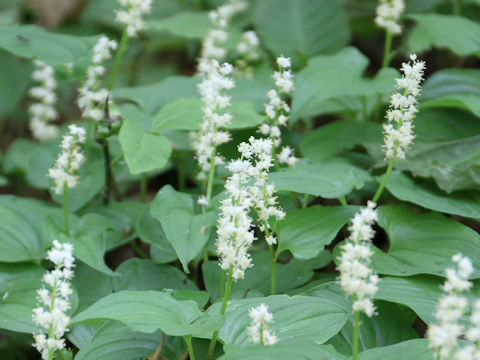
pixel 331 139
pixel 137 274
pixel 32 42
pixel 328 180
pixel 343 74
pixel 420 293
pixel 188 24
pixel 298 319
pixel 451 81
pixel 185 230
pixel 186 114
pixel 412 349
pixel 422 243
pixel 307 231
pixel 150 311
pixel 144 151
pixel 280 351
pixel 405 188
pixel 301 28
pixel 14 81
pixel 434 30
pixel 469 102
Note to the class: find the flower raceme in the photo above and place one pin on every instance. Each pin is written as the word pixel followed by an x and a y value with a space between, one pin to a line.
pixel 65 171
pixel 91 94
pixel 53 298
pixel 277 110
pixel 132 13
pixel 357 279
pixel 43 112
pixel 398 132
pixel 248 48
pixel 211 132
pixel 451 310
pixel 388 15
pixel 258 330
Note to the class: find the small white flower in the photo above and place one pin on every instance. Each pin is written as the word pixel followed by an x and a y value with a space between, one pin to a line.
pixel 42 111
pixel 54 301
pixel 64 172
pixel 258 330
pixel 388 15
pixel 132 13
pixel 284 62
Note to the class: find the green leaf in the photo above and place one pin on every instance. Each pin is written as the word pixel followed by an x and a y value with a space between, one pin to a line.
pixel 187 24
pixel 137 274
pixel 186 114
pixel 331 139
pixel 14 81
pixel 451 81
pixel 412 349
pixel 186 231
pixel 281 351
pixel 343 74
pixel 434 30
pixel 422 243
pixel 328 180
pixel 32 42
pixel 301 28
pixel 298 319
pixel 144 151
pixel 424 194
pixel 150 311
pixel 307 231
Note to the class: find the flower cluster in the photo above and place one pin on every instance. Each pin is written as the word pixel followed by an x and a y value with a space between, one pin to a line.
pixel 356 277
pixel 53 298
pixel 211 135
pixel 277 110
pixel 212 44
pixel 257 155
pixel 248 49
pixel 64 172
pixel 388 15
pixel 91 94
pixel 132 14
pixel 451 310
pixel 43 111
pixel 398 132
pixel 258 330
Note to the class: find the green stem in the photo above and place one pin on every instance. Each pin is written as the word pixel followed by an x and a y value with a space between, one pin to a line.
pixel 273 270
pixel 228 290
pixel 343 200
pixel 50 330
pixel 356 326
pixel 188 340
pixel 143 187
pixel 387 50
pixel 65 210
pixel 385 179
pixel 118 59
pixel 457 7
pixel 88 144
pixel 138 250
pixel 222 284
pixel 211 175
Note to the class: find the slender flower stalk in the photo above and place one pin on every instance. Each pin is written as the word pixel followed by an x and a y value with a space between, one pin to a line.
pixel 65 171
pixel 54 301
pixel 451 309
pixel 398 131
pixel 42 111
pixel 278 111
pixel 258 330
pixel 248 48
pixel 388 16
pixel 357 279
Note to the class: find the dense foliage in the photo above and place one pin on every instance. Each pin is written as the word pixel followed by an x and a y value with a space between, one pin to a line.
pixel 240 179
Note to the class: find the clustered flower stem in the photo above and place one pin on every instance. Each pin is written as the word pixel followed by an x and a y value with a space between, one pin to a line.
pixel 188 340
pixel 457 7
pixel 356 328
pixel 382 185
pixel 387 49
pixel 65 210
pixel 118 59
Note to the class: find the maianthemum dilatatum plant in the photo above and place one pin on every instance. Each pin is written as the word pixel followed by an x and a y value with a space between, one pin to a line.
pixel 240 179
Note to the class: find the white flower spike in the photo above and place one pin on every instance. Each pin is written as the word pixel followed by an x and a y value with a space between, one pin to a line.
pixel 388 15
pixel 132 15
pixel 54 301
pixel 258 330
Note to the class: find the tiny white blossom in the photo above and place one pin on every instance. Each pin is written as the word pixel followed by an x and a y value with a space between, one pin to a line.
pixel 398 132
pixel 248 48
pixel 65 171
pixel 388 15
pixel 357 279
pixel 53 299
pixel 42 111
pixel 91 95
pixel 258 330
pixel 132 13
